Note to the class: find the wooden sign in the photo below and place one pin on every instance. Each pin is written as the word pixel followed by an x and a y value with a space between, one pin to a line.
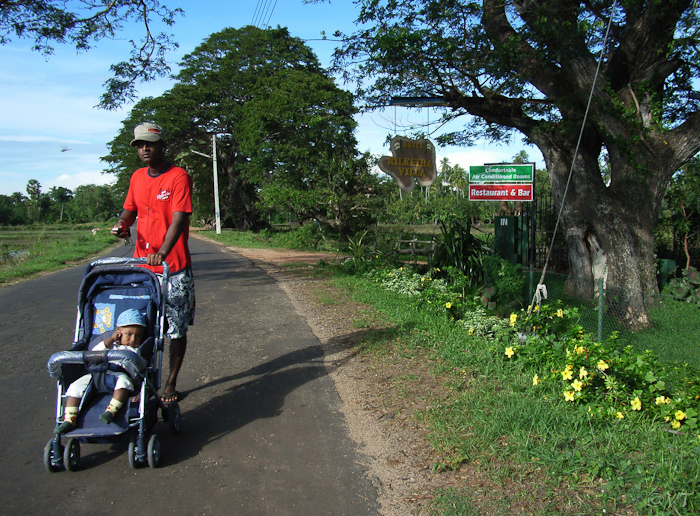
pixel 412 161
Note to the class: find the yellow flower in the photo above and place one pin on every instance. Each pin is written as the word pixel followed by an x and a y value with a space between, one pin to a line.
pixel 471 331
pixel 448 305
pixel 513 318
pixel 636 403
pixel 400 268
pixel 680 415
pixel 438 269
pixel 620 415
pixel 536 380
pixel 568 396
pixel 602 365
pixel 510 351
pixel 422 279
pixel 560 313
pixel 577 385
pixel 568 373
pixel 676 425
pixel 582 373
pixel 660 400
pixel 579 350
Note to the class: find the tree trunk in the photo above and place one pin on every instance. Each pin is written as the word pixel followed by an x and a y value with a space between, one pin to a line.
pixel 609 235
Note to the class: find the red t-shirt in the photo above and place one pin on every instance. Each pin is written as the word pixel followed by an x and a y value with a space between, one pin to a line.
pixel 155 199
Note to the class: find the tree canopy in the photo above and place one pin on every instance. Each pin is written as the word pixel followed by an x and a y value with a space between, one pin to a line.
pixel 285 131
pixel 82 24
pixel 533 66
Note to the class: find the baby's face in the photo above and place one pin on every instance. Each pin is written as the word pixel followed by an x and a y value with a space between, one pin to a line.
pixel 131 336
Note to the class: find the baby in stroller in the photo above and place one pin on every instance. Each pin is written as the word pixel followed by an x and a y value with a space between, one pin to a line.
pixel 129 334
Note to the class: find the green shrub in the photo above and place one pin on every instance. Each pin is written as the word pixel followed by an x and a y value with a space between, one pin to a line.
pixel 463 251
pixel 504 284
pixel 687 287
pixel 308 236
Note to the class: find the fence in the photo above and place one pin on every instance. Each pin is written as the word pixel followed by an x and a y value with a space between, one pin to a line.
pixel 674 325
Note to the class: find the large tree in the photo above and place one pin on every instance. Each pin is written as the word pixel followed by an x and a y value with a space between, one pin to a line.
pixel 83 23
pixel 531 65
pixel 284 130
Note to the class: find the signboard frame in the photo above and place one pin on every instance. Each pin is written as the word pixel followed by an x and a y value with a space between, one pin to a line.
pixel 502 173
pixel 502 192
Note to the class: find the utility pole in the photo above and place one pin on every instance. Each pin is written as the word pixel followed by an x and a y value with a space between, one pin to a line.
pixel 216 182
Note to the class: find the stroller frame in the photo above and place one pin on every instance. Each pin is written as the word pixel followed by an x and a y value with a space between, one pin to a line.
pixel 145 365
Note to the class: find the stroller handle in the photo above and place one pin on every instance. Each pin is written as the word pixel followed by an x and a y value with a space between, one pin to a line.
pixel 126 261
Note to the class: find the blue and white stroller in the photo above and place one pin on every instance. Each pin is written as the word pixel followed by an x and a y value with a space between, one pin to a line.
pixel 109 287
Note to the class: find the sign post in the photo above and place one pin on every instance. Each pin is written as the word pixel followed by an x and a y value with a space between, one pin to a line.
pixel 506 182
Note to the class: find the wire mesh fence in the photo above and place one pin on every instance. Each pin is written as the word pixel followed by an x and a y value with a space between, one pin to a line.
pixel 673 331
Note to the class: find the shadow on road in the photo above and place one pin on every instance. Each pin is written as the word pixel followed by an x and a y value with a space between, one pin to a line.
pixel 240 402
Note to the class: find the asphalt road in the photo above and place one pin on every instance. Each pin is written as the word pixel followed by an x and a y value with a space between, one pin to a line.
pixel 261 431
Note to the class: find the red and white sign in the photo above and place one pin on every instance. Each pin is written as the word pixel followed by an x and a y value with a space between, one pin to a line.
pixel 500 192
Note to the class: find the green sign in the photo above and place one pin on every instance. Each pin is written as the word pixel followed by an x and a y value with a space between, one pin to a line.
pixel 502 173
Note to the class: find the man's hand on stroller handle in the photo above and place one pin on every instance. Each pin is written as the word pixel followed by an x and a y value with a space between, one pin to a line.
pixel 155 259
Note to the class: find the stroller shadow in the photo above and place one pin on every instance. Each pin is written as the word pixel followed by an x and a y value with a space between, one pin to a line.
pixel 260 395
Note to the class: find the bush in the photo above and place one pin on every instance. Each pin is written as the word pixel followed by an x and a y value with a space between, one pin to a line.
pixel 687 287
pixel 463 251
pixel 610 381
pixel 504 284
pixel 308 236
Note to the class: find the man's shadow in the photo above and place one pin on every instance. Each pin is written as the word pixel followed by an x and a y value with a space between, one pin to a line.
pixel 261 395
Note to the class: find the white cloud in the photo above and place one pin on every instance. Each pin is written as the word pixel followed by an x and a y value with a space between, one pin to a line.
pixel 72 181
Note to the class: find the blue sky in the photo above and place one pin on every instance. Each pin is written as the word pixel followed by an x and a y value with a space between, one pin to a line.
pixel 47 106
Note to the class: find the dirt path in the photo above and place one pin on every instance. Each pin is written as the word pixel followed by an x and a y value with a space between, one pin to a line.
pixel 378 406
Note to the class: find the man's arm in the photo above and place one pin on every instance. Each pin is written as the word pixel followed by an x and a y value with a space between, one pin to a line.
pixel 126 220
pixel 180 221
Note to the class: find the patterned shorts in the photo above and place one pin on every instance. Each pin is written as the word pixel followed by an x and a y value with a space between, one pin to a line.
pixel 180 303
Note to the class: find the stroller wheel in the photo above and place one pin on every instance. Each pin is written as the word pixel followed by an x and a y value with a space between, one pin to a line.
pixel 71 454
pixel 133 461
pixel 154 451
pixel 49 458
pixel 174 417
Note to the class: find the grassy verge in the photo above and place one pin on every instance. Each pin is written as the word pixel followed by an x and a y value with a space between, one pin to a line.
pixel 553 457
pixel 25 252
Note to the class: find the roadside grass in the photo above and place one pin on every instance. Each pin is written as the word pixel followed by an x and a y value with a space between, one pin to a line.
pixel 494 419
pixel 25 252
pixel 674 332
pixel 308 238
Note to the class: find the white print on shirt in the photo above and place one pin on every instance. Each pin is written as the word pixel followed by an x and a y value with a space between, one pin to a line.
pixel 164 195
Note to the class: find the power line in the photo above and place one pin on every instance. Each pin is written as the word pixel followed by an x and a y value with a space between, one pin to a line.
pixel 271 11
pixel 256 14
pixel 263 10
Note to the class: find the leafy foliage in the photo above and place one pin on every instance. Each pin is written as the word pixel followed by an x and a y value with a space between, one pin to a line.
pixel 89 203
pixel 460 249
pixel 504 283
pixel 610 381
pixel 687 287
pixel 84 23
pixel 284 131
